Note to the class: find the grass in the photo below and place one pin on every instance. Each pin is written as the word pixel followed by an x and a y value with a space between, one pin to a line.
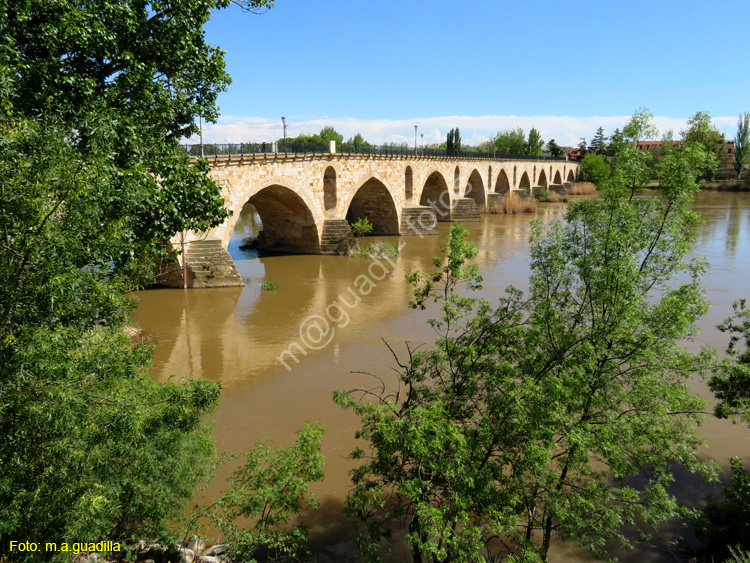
pixel 379 249
pixel 582 188
pixel 268 285
pixel 513 204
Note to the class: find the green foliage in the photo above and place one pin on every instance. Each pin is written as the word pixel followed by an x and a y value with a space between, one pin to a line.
pixel 703 133
pixel 268 285
pixel 534 143
pixel 272 491
pixel 616 142
pixel 594 168
pixel 328 133
pixel 530 418
pixel 725 524
pixel 599 140
pixel 93 184
pixel 453 140
pixel 379 249
pixel 511 141
pixel 361 227
pixel 742 144
pixel 554 149
pixel 731 383
pixel 641 126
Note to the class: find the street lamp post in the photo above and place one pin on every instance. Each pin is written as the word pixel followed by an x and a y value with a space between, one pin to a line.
pixel 415 139
pixel 422 143
pixel 283 123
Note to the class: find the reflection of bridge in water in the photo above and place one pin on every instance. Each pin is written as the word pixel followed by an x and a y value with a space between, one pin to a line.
pixel 307 200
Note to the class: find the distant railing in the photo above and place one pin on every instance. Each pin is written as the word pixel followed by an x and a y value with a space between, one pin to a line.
pixel 242 149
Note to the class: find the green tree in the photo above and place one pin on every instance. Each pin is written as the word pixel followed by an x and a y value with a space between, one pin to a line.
pixel 599 141
pixel 554 149
pixel 641 126
pixel 701 131
pixel 616 142
pixel 742 144
pixel 93 184
pixel 529 417
pixel 594 168
pixel 534 143
pixel 449 141
pixel 328 133
pixel 511 141
pixel 457 140
pixel 272 491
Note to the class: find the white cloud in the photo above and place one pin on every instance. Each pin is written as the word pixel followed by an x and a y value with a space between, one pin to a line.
pixel 566 130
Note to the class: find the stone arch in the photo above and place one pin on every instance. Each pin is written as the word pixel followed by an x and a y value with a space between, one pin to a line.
pixel 502 185
pixel 533 178
pixel 329 189
pixel 571 176
pixel 558 178
pixel 408 183
pixel 475 190
pixel 515 168
pixel 550 171
pixel 489 179
pixel 373 201
pixel 435 194
pixel 456 181
pixel 288 222
pixel 525 183
pixel 542 179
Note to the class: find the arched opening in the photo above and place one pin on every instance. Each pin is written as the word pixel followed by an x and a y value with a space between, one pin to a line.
pixel 550 171
pixel 408 184
pixel 542 179
pixel 374 202
pixel 525 183
pixel 435 194
pixel 514 175
pixel 533 178
pixel 571 176
pixel 329 189
pixel 287 224
pixel 475 191
pixel 558 178
pixel 502 186
pixel 456 181
pixel 489 179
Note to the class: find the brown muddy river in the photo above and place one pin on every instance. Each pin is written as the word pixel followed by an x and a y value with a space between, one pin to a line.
pixel 335 325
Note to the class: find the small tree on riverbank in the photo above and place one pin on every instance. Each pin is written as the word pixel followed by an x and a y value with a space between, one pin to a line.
pixel 530 418
pixel 742 145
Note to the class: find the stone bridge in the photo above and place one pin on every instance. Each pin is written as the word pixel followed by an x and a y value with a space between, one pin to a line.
pixel 307 201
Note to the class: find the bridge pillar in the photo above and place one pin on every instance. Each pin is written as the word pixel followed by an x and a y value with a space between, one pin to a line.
pixel 494 202
pixel 464 210
pixel 336 237
pixel 207 264
pixel 418 220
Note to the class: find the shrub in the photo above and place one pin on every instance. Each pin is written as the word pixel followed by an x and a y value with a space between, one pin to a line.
pixel 582 188
pixel 361 227
pixel 379 249
pixel 268 285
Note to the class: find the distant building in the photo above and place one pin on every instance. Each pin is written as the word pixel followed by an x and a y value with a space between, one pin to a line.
pixel 725 160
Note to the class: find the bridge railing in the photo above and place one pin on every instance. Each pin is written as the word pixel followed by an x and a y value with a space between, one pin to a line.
pixel 242 149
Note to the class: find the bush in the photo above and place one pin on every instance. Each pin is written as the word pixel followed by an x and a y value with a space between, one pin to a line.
pixel 379 249
pixel 271 490
pixel 361 227
pixel 268 285
pixel 582 188
pixel 594 168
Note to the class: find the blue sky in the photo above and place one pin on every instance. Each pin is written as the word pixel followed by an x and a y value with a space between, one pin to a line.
pixel 382 67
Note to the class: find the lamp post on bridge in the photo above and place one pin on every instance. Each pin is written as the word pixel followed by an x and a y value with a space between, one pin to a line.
pixel 415 140
pixel 422 143
pixel 283 124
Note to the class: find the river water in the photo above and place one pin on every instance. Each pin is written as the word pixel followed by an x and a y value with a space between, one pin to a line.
pixel 335 323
